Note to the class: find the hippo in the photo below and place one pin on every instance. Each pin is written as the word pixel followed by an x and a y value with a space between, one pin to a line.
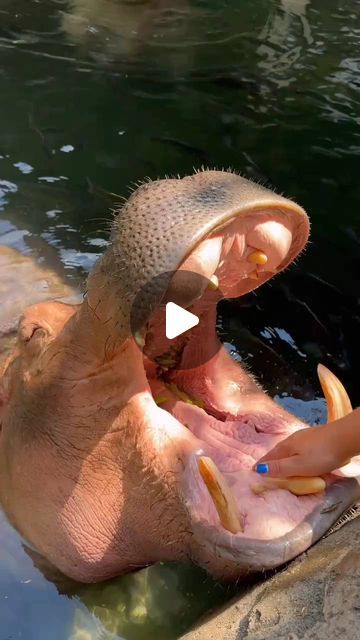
pixel 118 447
pixel 110 30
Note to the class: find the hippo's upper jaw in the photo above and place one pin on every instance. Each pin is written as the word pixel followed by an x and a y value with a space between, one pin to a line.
pixel 110 451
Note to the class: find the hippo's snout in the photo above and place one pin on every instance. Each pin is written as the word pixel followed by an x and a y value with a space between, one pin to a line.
pixel 163 223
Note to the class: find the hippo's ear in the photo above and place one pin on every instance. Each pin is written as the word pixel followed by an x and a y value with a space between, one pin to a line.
pixel 40 323
pixel 33 335
pixel 32 331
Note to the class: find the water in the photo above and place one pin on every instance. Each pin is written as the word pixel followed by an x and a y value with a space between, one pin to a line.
pixel 97 94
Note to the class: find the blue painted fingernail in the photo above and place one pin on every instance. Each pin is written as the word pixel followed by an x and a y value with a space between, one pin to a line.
pixel 262 467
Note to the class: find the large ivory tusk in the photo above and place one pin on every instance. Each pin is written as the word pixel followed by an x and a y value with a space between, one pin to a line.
pixel 221 495
pixel 337 399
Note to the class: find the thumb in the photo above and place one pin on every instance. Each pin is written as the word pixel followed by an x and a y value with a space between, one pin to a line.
pixel 284 468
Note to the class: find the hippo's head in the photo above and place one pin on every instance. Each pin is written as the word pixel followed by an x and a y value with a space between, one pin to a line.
pixel 115 455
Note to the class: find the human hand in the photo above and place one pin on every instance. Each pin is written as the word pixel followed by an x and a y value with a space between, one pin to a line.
pixel 308 452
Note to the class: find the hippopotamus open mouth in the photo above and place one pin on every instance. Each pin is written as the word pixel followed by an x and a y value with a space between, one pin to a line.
pixel 120 448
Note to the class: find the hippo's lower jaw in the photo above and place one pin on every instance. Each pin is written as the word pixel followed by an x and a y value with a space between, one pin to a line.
pixel 230 420
pixel 275 526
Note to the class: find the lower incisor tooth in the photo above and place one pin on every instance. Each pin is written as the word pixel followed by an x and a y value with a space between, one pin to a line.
pixel 258 489
pixel 298 485
pixel 221 495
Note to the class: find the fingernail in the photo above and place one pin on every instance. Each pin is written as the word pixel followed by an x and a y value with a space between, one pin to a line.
pixel 262 467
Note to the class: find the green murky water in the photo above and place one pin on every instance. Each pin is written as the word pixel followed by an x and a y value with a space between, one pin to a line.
pixel 97 94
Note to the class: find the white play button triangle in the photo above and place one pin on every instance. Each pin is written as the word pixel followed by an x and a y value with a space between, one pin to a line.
pixel 178 320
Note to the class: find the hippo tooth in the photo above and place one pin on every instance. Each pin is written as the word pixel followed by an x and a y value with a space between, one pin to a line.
pixel 159 400
pixel 221 495
pixel 213 283
pixel 258 489
pixel 253 275
pixel 337 400
pixel 298 485
pixel 338 405
pixel 139 339
pixel 257 257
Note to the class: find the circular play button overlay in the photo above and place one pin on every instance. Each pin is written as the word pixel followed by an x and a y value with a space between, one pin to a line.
pixel 178 320
pixel 173 319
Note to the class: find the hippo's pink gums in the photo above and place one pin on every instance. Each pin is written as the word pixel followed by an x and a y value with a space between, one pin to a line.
pixel 100 440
